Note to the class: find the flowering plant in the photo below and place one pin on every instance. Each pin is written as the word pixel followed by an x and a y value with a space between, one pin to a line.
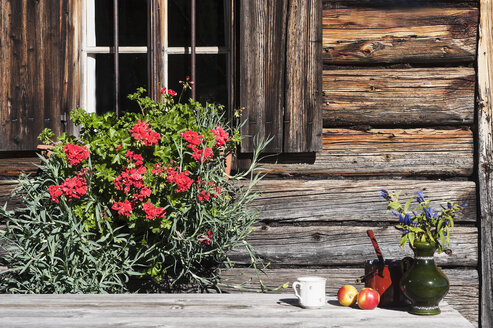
pixel 159 177
pixel 422 223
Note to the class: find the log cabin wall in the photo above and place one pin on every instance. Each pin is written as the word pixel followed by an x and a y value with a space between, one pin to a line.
pixel 398 113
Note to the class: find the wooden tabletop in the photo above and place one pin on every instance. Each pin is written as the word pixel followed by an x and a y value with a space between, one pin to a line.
pixel 202 310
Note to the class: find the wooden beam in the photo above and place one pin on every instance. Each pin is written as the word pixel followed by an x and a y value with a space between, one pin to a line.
pixel 302 126
pixel 383 152
pixel 335 4
pixel 393 97
pixel 288 246
pixel 296 201
pixel 393 35
pixel 485 152
pixel 464 283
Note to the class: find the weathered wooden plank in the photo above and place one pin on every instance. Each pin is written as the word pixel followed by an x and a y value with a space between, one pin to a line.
pixel 398 35
pixel 36 65
pixel 411 96
pixel 346 245
pixel 464 283
pixel 6 189
pixel 233 310
pixel 353 200
pixel 11 167
pixel 383 152
pixel 302 112
pixel 262 59
pixel 335 4
pixel 485 152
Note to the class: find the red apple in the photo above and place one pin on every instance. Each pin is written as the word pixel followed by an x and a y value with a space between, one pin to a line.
pixel 347 295
pixel 368 298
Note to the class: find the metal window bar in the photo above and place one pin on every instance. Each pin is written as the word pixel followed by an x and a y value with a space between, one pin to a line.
pixel 192 45
pixel 116 55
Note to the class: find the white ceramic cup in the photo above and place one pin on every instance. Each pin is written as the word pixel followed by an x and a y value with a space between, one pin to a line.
pixel 312 291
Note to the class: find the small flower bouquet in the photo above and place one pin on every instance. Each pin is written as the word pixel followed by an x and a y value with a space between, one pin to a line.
pixel 422 223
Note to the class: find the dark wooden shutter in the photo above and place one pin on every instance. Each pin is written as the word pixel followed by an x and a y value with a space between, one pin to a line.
pixel 39 68
pixel 280 64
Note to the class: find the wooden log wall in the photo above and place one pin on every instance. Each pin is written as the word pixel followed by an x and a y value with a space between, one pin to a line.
pixel 398 105
pixel 398 84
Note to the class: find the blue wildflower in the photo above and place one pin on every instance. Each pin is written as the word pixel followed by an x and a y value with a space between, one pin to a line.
pixel 449 205
pixel 406 219
pixel 384 194
pixel 428 212
pixel 420 197
pixel 465 205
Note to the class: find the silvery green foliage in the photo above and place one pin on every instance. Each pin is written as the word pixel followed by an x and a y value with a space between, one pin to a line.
pixel 50 250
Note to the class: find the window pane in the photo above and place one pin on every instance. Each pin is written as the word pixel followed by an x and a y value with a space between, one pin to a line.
pixel 105 91
pixel 132 22
pixel 210 23
pixel 212 82
pixel 133 74
pixel 104 22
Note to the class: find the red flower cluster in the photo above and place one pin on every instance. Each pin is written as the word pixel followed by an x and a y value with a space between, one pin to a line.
pixel 221 136
pixel 152 211
pixel 141 131
pixel 75 154
pixel 130 178
pixel 172 93
pixel 132 156
pixel 197 154
pixel 124 208
pixel 207 238
pixel 75 187
pixel 145 192
pixel 192 137
pixel 181 179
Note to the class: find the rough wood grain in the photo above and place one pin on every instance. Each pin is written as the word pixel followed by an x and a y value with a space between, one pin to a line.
pixel 11 167
pixel 485 152
pixel 302 112
pixel 335 4
pixel 399 35
pixel 383 152
pixel 231 310
pixel 344 201
pixel 39 68
pixel 393 97
pixel 262 59
pixel 464 283
pixel 346 245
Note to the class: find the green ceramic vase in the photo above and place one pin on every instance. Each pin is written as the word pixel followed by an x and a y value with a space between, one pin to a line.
pixel 423 282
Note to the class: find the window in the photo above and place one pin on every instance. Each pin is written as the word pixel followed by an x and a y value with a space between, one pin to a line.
pixel 102 89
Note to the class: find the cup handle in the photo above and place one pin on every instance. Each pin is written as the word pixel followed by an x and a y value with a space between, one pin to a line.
pixel 296 284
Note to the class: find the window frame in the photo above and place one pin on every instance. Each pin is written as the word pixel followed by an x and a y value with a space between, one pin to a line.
pixel 157 50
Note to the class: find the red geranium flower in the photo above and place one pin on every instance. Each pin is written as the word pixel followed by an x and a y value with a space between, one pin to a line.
pixel 182 181
pixel 192 137
pixel 197 154
pixel 221 136
pixel 124 208
pixel 152 211
pixel 75 187
pixel 141 131
pixel 75 154
pixel 172 93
